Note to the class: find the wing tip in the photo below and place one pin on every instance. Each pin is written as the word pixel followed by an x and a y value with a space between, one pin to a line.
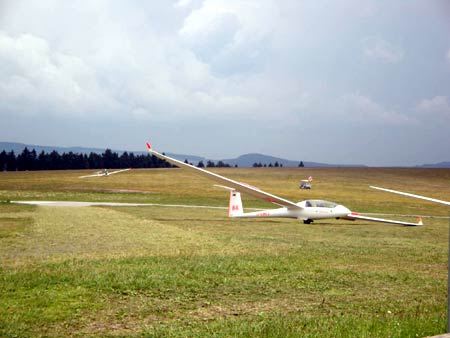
pixel 149 146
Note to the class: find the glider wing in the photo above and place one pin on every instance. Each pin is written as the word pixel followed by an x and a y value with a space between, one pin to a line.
pixel 118 171
pixel 354 216
pixel 93 175
pixel 241 187
pixel 412 195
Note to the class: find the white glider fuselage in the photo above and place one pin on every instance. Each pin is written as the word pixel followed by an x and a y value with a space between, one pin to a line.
pixel 307 210
pixel 310 213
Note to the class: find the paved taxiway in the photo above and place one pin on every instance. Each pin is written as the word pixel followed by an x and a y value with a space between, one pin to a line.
pixel 111 204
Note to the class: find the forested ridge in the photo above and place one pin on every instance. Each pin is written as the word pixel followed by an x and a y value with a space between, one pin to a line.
pixel 31 160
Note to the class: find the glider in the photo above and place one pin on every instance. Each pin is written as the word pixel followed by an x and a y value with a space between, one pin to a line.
pixel 105 173
pixel 308 210
pixel 412 195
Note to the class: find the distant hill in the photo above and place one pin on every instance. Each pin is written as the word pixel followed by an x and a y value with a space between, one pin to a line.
pixel 19 147
pixel 248 160
pixel 436 165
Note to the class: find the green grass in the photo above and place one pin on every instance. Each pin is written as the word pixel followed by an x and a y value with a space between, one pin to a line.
pixel 14 219
pixel 167 272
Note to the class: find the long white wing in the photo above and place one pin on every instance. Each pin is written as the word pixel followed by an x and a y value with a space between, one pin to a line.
pixel 354 216
pixel 412 195
pixel 118 171
pixel 93 175
pixel 241 187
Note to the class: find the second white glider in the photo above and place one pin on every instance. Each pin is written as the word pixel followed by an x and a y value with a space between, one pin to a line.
pixel 105 172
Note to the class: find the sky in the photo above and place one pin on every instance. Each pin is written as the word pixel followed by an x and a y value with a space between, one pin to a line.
pixel 351 81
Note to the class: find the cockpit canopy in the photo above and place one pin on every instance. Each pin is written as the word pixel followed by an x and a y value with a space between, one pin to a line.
pixel 319 204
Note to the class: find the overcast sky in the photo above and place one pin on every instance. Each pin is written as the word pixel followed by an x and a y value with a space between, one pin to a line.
pixel 329 81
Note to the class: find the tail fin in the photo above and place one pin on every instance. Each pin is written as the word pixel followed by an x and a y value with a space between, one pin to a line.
pixel 420 222
pixel 235 207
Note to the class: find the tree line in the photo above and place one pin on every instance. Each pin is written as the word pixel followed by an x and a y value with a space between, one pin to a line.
pixel 260 165
pixel 31 160
pixel 276 165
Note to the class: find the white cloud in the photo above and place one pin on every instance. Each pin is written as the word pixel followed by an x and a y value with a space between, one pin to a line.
pixel 362 109
pixel 155 81
pixel 182 3
pixel 34 76
pixel 436 107
pixel 379 49
pixel 230 36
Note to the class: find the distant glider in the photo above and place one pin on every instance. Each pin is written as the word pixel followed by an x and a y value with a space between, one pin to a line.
pixel 105 172
pixel 308 210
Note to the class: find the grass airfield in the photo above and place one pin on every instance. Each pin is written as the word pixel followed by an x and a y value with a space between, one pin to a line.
pixel 169 272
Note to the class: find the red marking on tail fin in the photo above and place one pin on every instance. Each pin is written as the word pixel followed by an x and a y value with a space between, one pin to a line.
pixel 149 147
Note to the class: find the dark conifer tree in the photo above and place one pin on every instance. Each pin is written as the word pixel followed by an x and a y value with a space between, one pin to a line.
pixel 24 160
pixel 124 160
pixel 43 161
pixel 11 162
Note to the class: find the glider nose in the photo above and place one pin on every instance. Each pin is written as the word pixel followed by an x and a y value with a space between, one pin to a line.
pixel 342 211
